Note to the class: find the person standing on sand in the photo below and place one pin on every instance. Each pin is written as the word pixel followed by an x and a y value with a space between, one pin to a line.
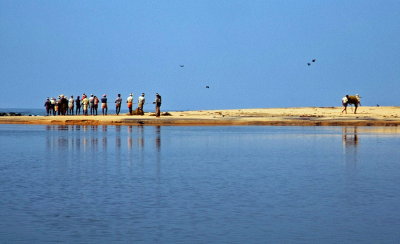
pixel 47 105
pixel 85 105
pixel 91 104
pixel 157 102
pixel 95 104
pixel 118 102
pixel 65 105
pixel 355 100
pixel 104 107
pixel 129 102
pixel 52 106
pixel 78 106
pixel 58 105
pixel 141 101
pixel 71 103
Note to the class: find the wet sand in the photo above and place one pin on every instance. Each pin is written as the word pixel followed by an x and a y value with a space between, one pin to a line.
pixel 304 116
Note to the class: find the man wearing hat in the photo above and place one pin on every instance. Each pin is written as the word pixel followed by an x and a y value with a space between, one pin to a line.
pixel 157 102
pixel 118 102
pixel 141 101
pixel 129 102
pixel 47 105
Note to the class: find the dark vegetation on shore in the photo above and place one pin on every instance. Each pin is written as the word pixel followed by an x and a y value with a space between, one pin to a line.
pixel 10 114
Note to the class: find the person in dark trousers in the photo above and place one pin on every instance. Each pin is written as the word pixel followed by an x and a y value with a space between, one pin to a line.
pixel 95 105
pixel 129 102
pixel 157 102
pixel 104 107
pixel 118 102
pixel 63 106
pixel 91 104
pixel 47 105
pixel 78 105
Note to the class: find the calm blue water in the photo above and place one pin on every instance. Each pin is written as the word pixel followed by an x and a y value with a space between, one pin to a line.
pixel 111 184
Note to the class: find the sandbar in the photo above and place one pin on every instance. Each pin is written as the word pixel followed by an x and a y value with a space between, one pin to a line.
pixel 301 116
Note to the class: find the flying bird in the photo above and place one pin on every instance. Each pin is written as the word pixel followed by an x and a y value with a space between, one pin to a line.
pixel 207 87
pixel 313 60
pixel 308 64
pixel 182 65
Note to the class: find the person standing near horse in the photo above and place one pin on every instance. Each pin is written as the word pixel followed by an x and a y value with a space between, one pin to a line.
pixel 356 100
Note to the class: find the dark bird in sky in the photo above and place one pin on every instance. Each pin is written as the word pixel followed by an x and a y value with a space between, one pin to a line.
pixel 313 60
pixel 182 65
pixel 207 87
pixel 308 64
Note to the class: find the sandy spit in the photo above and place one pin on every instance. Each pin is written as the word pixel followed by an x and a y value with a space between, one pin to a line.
pixel 304 116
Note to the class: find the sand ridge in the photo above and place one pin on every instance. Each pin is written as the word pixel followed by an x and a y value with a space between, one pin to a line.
pixel 301 116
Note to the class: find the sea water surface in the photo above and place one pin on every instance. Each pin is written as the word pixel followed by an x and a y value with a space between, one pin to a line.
pixel 129 184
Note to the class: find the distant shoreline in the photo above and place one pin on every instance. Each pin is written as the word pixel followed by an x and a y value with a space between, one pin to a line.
pixel 303 116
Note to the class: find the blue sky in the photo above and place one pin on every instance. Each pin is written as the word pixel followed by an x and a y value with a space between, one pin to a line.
pixel 252 54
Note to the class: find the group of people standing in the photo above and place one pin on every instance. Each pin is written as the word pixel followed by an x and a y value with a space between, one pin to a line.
pixel 70 106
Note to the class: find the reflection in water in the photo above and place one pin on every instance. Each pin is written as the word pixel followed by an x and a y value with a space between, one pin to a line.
pixel 90 138
pixel 118 137
pixel 350 142
pixel 158 138
pixel 141 136
pixel 129 138
pixel 350 137
pixel 158 150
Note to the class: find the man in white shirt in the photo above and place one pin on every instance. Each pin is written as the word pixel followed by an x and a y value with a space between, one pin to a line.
pixel 71 102
pixel 141 101
pixel 91 104
pixel 129 102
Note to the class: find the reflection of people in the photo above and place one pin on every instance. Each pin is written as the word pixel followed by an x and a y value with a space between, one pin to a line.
pixel 158 138
pixel 129 137
pixel 350 138
pixel 118 137
pixel 157 102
